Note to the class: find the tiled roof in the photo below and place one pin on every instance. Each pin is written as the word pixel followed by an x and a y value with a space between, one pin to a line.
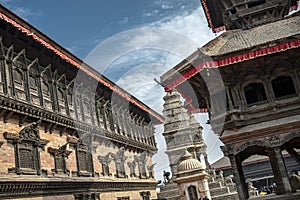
pixel 239 40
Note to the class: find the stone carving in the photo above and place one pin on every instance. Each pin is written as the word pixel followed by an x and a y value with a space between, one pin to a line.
pixel 295 182
pixel 251 189
pixel 229 181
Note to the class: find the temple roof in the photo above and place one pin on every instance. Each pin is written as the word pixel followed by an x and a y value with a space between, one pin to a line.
pixel 30 31
pixel 214 14
pixel 240 40
pixel 236 46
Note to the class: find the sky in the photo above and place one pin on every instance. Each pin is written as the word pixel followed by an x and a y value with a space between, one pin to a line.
pixel 132 42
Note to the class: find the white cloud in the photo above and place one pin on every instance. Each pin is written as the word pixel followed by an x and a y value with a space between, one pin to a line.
pixel 21 11
pixel 146 53
pixel 124 21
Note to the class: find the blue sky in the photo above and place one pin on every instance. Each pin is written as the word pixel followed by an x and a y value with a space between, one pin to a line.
pixel 129 41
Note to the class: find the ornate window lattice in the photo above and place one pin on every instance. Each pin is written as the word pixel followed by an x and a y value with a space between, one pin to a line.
pixel 18 76
pixel 60 154
pixel 45 88
pixel 283 86
pixel 26 158
pixel 26 144
pixel 84 160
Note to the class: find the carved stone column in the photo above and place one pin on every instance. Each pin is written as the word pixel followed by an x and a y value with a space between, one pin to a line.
pixel 206 161
pixel 239 177
pixel 279 171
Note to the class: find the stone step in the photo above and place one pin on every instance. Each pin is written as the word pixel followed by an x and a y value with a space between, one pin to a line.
pixel 169 191
pixel 231 196
pixel 219 191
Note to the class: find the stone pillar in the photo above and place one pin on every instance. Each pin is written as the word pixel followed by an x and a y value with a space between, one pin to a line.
pixel 279 171
pixel 206 161
pixel 238 173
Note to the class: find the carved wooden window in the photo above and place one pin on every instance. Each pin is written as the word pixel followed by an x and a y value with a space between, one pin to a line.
pixel 192 191
pixel 18 76
pixel 105 160
pixel 84 160
pixel 254 93
pixel 119 159
pixel 141 162
pixel 26 144
pixel 70 98
pixel 45 89
pixel 60 163
pixel 105 169
pixel 103 114
pixel 27 157
pixel 60 95
pixel 131 166
pixel 283 86
pixel 59 154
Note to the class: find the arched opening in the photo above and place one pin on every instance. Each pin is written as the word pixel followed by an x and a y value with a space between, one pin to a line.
pixel 283 86
pixel 257 174
pixel 192 192
pixel 291 155
pixel 255 92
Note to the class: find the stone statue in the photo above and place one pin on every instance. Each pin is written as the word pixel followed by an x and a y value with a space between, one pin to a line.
pixel 295 182
pixel 251 189
pixel 228 180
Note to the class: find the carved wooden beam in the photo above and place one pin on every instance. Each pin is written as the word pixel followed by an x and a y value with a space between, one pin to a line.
pixel 2 113
pixel 1 142
pixel 48 127
pixel 7 116
pixel 61 132
pixel 22 120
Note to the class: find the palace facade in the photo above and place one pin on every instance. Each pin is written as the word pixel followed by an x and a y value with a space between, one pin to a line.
pixel 66 131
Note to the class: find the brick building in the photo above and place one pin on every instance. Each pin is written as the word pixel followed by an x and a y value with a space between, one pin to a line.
pixel 66 131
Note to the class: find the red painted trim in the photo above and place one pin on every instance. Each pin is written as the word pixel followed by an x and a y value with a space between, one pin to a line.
pixel 80 66
pixel 231 60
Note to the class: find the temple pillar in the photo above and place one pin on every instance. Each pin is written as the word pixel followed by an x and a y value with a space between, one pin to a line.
pixel 279 171
pixel 229 98
pixel 293 153
pixel 238 173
